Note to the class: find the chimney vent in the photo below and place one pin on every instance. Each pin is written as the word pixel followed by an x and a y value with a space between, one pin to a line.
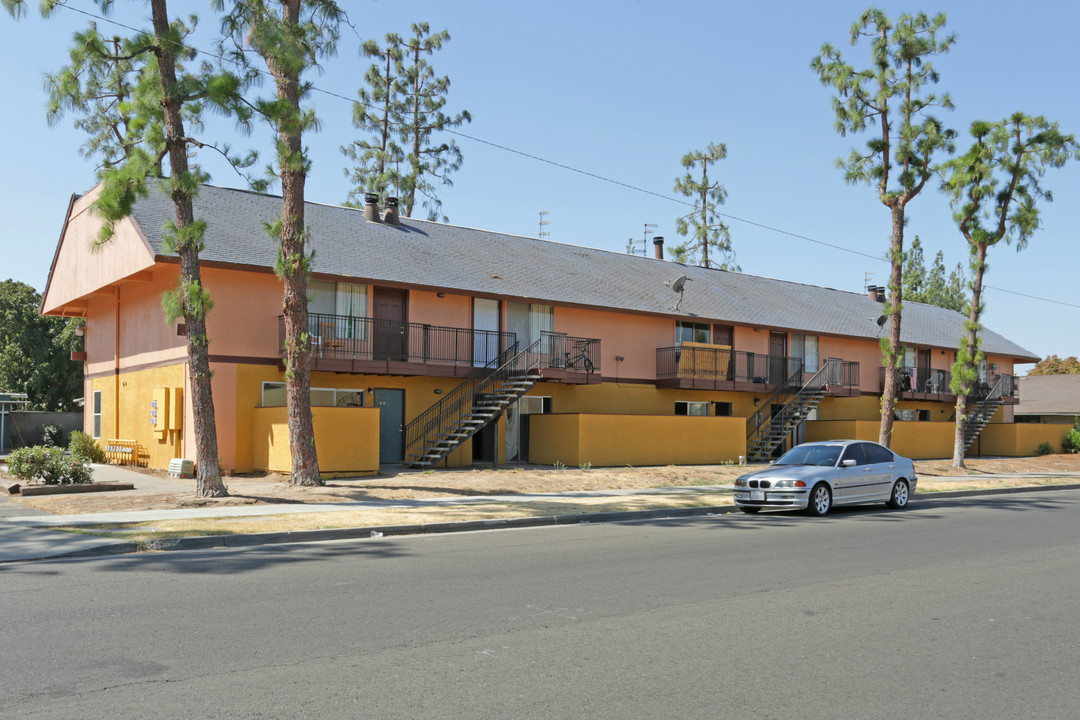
pixel 371 207
pixel 876 293
pixel 658 246
pixel 390 214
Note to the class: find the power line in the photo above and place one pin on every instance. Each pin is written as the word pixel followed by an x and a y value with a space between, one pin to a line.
pixel 572 169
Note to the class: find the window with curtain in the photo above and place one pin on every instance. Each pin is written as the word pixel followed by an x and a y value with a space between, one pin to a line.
pixel 541 319
pixel 351 302
pixel 805 347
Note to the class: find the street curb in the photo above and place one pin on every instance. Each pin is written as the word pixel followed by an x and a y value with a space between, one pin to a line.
pixel 376 531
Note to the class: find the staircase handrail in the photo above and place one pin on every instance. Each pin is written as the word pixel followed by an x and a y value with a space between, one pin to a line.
pixel 757 420
pixel 458 401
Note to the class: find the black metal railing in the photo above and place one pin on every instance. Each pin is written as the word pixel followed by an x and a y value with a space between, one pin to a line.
pixel 558 350
pixel 840 373
pixel 701 363
pixel 932 381
pixel 361 338
pixel 455 406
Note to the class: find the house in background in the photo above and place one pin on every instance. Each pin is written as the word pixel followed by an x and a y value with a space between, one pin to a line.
pixel 439 345
pixel 1049 399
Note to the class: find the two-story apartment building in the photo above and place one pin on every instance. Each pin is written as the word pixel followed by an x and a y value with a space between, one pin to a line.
pixel 441 345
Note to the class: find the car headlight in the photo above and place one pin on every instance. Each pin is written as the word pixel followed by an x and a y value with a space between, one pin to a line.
pixel 740 482
pixel 789 484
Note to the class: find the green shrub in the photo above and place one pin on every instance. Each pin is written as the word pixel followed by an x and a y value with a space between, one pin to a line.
pixel 1045 449
pixel 51 465
pixel 1072 441
pixel 85 448
pixel 53 436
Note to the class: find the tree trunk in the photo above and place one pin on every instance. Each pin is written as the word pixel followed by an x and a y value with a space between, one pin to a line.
pixel 892 350
pixel 293 270
pixel 972 349
pixel 208 470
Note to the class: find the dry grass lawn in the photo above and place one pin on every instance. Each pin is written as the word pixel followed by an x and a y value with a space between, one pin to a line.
pixel 934 476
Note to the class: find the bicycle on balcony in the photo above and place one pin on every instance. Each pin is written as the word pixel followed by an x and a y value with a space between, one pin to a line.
pixel 571 361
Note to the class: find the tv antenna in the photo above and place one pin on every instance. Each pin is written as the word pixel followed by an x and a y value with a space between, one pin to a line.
pixel 543 214
pixel 649 229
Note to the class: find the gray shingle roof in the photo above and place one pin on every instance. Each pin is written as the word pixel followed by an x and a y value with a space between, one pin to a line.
pixel 423 253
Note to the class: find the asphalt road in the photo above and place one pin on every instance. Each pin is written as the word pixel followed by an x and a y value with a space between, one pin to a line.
pixel 960 608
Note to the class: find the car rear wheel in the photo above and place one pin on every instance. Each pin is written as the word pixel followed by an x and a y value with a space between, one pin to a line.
pixel 748 509
pixel 901 495
pixel 820 500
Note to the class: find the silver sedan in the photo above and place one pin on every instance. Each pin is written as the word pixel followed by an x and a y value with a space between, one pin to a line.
pixel 815 476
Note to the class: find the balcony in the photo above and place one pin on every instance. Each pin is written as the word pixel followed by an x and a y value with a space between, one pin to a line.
pixel 919 383
pixel 568 359
pixel 344 344
pixel 711 368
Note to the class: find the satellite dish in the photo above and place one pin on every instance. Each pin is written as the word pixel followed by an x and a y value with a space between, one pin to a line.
pixel 881 320
pixel 678 286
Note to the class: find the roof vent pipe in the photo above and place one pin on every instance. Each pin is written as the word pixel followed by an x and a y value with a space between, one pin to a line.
pixel 390 214
pixel 880 294
pixel 871 292
pixel 658 246
pixel 371 207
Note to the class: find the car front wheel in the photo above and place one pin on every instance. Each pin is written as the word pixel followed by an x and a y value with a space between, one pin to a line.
pixel 820 500
pixel 901 495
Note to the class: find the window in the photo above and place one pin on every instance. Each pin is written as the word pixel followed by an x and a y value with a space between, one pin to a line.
pixel 805 347
pixel 877 454
pixel 273 395
pixel 535 405
pixel 691 332
pixel 343 300
pixel 691 408
pixel 854 452
pixel 907 415
pixel 97 415
pixel 723 409
pixel 541 319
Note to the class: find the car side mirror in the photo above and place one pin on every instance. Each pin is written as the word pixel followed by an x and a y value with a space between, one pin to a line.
pixel 849 462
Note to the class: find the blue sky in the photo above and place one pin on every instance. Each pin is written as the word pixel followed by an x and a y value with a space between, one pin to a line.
pixel 622 90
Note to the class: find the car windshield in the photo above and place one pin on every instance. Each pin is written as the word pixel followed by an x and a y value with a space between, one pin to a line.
pixel 824 455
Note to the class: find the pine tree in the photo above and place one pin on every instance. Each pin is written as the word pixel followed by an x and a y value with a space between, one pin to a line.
pixel 889 97
pixel 380 111
pixel 134 96
pixel 290 36
pixel 994 191
pixel 424 97
pixel 703 224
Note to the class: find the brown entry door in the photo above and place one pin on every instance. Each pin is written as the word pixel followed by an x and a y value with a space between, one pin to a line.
pixel 778 369
pixel 388 311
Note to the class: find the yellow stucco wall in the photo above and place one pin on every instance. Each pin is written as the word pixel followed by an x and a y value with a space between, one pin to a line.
pixel 1019 440
pixel 132 422
pixel 346 440
pixel 612 440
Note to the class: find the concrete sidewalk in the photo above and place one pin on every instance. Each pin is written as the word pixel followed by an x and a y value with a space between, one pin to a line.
pixel 24 533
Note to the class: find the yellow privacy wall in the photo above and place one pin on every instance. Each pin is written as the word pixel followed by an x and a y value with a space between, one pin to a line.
pixel 915 440
pixel 611 440
pixel 1019 440
pixel 346 440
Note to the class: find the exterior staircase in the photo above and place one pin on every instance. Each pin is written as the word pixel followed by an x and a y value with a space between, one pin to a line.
pixel 980 412
pixel 462 412
pixel 767 429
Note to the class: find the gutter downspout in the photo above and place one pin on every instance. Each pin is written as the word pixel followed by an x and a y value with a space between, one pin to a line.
pixel 116 367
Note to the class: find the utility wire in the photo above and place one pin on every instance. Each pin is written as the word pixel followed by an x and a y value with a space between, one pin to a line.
pixel 572 169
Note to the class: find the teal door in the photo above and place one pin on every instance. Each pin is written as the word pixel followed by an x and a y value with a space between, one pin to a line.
pixel 391 404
